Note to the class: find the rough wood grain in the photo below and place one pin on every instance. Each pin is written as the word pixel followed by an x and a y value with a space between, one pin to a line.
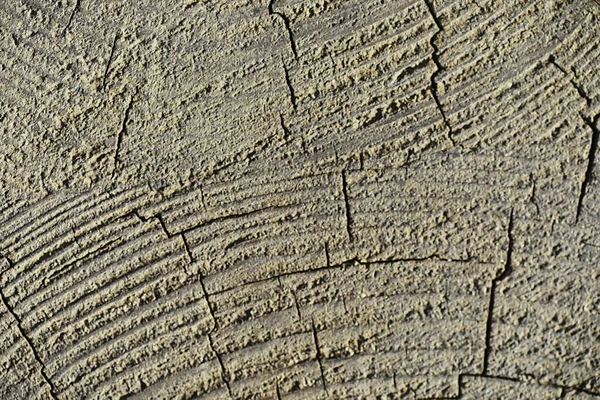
pixel 303 199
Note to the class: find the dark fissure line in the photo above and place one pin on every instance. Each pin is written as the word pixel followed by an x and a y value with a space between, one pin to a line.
pixel 345 264
pixel 319 356
pixel 582 94
pixel 29 343
pixel 122 132
pixel 594 142
pixel 75 9
pixel 110 57
pixel 347 206
pixel 224 375
pixel 286 131
pixel 286 23
pixel 507 271
pixel 290 87
pixel 436 60
pixel 591 161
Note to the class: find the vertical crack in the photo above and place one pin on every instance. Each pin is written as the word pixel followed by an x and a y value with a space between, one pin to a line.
pixel 319 355
pixel 121 133
pixel 505 272
pixel 28 340
pixel 592 124
pixel 290 87
pixel 347 206
pixel 532 194
pixel 201 279
pixel 435 58
pixel 591 160
pixel 224 375
pixel 75 9
pixel 286 23
pixel 110 57
pixel 286 131
pixel 297 305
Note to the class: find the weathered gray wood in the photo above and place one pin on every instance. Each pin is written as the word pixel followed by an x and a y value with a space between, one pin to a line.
pixel 299 199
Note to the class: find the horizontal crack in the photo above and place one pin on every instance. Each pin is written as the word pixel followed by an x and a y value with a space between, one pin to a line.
pixel 209 222
pixel 341 265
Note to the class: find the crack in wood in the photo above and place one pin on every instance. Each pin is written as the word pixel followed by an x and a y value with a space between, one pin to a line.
pixel 122 133
pixel 289 85
pixel 110 57
pixel 435 58
pixel 224 374
pixel 347 207
pixel 589 171
pixel 344 264
pixel 319 355
pixel 505 272
pixel 34 352
pixel 75 9
pixel 286 24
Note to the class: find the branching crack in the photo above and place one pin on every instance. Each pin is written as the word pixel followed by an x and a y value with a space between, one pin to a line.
pixel 157 217
pixel 592 123
pixel 190 256
pixel 201 279
pixel 435 58
pixel 552 60
pixel 286 23
pixel 170 234
pixel 26 338
pixel 505 272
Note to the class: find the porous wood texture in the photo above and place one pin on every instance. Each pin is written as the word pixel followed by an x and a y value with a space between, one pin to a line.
pixel 303 199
